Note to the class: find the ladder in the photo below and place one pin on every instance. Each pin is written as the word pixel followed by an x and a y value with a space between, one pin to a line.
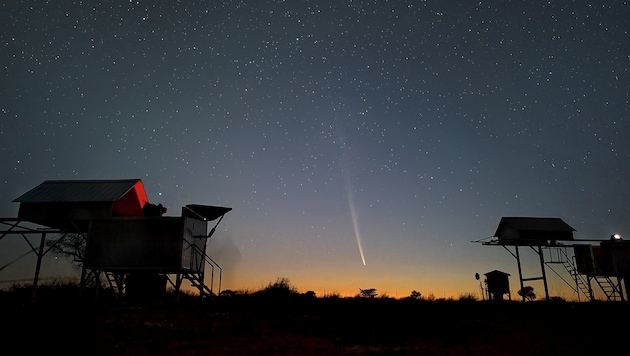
pixel 581 285
pixel 610 289
pixel 559 255
pixel 116 282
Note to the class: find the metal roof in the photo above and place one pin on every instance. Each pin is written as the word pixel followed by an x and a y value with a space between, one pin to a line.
pixel 208 212
pixel 67 191
pixel 533 224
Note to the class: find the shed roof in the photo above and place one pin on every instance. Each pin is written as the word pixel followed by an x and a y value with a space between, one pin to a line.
pixel 74 191
pixel 208 212
pixel 533 224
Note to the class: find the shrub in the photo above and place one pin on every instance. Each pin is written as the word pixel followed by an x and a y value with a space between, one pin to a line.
pixel 385 296
pixel 332 295
pixel 467 297
pixel 227 293
pixel 281 288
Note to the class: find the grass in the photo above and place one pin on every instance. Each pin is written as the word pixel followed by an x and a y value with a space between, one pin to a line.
pixel 278 320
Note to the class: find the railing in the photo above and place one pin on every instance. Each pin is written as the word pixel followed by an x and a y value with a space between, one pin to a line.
pixel 559 255
pixel 213 264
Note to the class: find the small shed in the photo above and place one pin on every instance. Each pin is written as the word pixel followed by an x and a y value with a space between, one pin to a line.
pixel 497 284
pixel 533 231
pixel 70 204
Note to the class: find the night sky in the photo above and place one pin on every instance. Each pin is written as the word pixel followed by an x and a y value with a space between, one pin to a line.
pixel 361 144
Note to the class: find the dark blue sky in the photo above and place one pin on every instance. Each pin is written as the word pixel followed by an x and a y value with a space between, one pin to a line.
pixel 406 128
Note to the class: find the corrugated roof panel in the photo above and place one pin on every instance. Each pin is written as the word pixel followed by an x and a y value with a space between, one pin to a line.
pixel 58 191
pixel 534 223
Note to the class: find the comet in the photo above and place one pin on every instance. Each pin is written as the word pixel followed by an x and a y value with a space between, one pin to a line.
pixel 355 222
pixel 350 195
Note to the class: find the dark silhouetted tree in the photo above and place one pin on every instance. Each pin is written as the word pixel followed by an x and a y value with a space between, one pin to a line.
pixel 527 292
pixel 415 295
pixel 367 293
pixel 71 246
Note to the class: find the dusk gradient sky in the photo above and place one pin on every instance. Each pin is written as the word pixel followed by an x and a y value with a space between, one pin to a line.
pixel 340 132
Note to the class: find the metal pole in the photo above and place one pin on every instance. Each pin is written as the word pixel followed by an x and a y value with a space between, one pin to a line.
pixel 620 289
pixel 520 271
pixel 40 254
pixel 542 268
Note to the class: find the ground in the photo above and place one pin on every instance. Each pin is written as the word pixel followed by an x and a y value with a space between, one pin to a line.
pixel 319 326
